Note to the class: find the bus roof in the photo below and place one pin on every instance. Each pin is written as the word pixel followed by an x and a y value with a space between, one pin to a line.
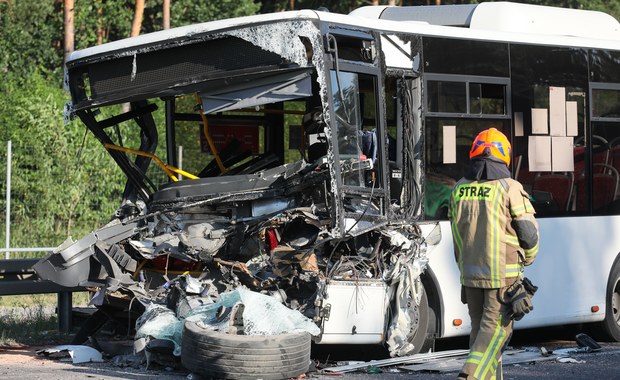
pixel 505 17
pixel 501 21
pixel 188 31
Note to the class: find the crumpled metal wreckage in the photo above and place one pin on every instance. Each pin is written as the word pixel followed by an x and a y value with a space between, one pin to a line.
pixel 217 252
pixel 162 266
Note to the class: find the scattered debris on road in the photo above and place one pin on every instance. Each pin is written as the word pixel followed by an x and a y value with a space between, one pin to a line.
pixel 78 354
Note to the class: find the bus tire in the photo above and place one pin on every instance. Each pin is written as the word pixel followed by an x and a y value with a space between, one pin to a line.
pixel 611 324
pixel 219 355
pixel 419 314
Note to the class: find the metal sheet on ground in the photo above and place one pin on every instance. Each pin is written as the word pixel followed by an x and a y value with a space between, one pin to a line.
pixel 454 364
pixel 418 358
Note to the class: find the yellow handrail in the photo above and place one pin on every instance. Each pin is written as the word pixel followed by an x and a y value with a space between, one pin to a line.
pixel 205 124
pixel 168 169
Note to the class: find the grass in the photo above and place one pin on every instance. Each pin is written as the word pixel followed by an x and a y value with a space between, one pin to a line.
pixel 32 319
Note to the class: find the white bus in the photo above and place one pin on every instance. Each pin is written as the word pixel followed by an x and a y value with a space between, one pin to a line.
pixel 311 142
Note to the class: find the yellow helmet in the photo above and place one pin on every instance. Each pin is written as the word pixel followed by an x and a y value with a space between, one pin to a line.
pixel 491 142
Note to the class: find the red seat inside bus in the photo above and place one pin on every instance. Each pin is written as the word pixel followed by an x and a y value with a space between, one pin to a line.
pixel 559 185
pixel 604 187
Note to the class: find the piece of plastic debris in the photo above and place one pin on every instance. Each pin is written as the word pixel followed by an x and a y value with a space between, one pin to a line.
pixel 573 350
pixel 78 353
pixel 348 362
pixel 567 359
pixel 373 370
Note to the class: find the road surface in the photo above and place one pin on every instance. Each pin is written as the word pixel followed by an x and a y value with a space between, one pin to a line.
pixel 22 363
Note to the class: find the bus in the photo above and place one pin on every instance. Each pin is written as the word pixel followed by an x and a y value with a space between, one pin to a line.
pixel 310 156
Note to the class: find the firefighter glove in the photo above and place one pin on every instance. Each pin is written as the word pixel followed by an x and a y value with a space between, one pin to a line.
pixel 519 298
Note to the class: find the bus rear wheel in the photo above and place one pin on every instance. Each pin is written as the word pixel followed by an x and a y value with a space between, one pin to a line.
pixel 610 327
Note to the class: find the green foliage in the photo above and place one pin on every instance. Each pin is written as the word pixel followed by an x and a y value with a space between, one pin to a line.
pixel 112 18
pixel 185 12
pixel 27 325
pixel 61 184
pixel 30 37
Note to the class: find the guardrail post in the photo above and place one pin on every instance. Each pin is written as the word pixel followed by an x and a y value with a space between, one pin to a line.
pixel 9 155
pixel 65 312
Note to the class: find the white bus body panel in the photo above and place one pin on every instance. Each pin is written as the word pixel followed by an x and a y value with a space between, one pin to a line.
pixel 536 19
pixel 358 311
pixel 571 271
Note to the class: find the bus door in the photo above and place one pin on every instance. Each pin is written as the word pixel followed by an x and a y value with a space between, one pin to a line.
pixel 358 143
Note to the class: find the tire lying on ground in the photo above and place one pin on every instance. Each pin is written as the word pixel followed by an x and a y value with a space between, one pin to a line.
pixel 224 356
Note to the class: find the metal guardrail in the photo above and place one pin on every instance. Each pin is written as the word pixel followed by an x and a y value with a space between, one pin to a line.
pixel 17 277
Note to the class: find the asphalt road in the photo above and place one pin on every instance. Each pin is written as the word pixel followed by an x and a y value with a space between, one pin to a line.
pixel 23 363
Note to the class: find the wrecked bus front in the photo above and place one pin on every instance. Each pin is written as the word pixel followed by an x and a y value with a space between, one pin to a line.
pixel 282 174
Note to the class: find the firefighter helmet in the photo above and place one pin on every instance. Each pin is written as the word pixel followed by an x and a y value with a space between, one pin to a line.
pixel 491 143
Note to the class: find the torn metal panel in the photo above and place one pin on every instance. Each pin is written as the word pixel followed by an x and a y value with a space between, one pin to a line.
pixel 79 354
pixel 276 38
pixel 190 65
pixel 69 264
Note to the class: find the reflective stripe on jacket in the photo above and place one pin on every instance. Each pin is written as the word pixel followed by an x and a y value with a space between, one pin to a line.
pixel 490 249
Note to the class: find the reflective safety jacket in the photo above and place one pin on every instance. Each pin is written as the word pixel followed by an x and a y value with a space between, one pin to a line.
pixel 494 230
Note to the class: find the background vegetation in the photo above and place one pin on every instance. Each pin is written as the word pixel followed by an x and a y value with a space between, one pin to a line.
pixel 63 183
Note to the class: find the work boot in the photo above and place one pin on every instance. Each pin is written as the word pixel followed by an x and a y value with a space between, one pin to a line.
pixel 464 376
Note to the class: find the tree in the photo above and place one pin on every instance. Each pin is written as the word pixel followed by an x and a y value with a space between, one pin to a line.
pixel 69 31
pixel 166 14
pixel 137 18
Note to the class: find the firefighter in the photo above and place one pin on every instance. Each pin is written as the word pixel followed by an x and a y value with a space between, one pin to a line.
pixel 495 235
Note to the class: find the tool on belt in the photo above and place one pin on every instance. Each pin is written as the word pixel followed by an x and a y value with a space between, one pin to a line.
pixel 518 297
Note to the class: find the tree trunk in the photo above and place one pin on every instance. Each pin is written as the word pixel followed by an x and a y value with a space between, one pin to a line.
pixel 137 18
pixel 100 29
pixel 291 4
pixel 69 30
pixel 166 14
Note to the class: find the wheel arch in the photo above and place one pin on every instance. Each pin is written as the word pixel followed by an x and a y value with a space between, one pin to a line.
pixel 611 269
pixel 608 329
pixel 610 280
pixel 435 301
